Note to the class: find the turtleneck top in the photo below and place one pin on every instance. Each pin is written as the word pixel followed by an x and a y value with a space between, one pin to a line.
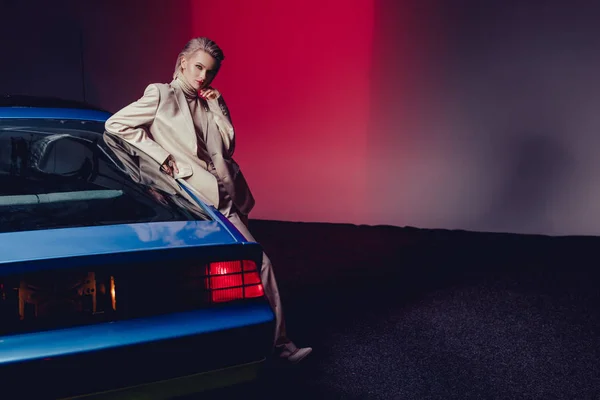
pixel 198 111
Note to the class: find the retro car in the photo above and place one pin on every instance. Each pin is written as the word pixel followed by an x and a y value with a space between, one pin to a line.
pixel 115 279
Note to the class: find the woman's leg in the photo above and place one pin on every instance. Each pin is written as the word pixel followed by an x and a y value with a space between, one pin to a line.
pixel 268 281
pixel 283 345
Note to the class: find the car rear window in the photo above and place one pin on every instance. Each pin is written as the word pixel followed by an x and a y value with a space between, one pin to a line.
pixel 58 174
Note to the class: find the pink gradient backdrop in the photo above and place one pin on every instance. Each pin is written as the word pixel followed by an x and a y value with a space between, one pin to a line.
pixel 297 80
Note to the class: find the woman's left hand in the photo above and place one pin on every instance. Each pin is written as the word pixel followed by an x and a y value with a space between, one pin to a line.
pixel 209 93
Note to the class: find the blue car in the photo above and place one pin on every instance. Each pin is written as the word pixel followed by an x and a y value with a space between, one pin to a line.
pixel 116 281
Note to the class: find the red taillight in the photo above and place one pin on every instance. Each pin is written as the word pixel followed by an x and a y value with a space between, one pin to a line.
pixel 225 267
pixel 227 281
pixel 249 265
pixel 254 291
pixel 233 280
pixel 222 295
pixel 251 278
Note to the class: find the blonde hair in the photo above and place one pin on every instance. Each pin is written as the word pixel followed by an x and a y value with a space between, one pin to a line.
pixel 196 44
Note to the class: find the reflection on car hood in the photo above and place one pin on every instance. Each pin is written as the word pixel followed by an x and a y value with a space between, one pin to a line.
pixel 96 240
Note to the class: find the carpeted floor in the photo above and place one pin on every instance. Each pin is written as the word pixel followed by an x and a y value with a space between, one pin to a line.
pixel 402 313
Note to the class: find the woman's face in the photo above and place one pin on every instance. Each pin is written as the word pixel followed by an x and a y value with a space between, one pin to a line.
pixel 199 69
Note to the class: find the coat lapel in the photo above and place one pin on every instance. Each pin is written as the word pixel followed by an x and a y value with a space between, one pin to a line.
pixel 214 144
pixel 212 137
pixel 204 118
pixel 185 111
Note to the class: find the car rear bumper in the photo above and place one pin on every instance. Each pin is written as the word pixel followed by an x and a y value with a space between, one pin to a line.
pixel 226 344
pixel 181 386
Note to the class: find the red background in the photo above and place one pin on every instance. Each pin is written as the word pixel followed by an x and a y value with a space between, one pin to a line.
pixel 297 80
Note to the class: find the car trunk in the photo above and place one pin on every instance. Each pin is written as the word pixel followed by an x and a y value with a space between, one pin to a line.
pixel 59 278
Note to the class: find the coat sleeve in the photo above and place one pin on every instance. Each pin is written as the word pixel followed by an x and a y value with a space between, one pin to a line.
pixel 223 120
pixel 132 123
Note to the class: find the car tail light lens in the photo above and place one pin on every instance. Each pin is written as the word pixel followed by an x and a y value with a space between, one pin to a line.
pixel 233 280
pixel 223 295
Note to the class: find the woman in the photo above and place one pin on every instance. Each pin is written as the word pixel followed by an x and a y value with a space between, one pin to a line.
pixel 185 126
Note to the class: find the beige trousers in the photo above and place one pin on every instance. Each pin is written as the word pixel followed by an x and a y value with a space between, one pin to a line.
pixel 269 282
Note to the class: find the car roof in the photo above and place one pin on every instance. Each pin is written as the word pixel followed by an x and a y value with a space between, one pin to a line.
pixel 37 107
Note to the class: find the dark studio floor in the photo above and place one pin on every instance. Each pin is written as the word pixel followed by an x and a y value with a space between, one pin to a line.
pixel 403 313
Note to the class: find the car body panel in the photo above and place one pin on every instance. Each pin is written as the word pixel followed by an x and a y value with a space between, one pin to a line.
pixel 62 342
pixel 61 244
pixel 214 213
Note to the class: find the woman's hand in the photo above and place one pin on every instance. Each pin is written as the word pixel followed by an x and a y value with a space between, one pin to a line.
pixel 209 93
pixel 169 167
